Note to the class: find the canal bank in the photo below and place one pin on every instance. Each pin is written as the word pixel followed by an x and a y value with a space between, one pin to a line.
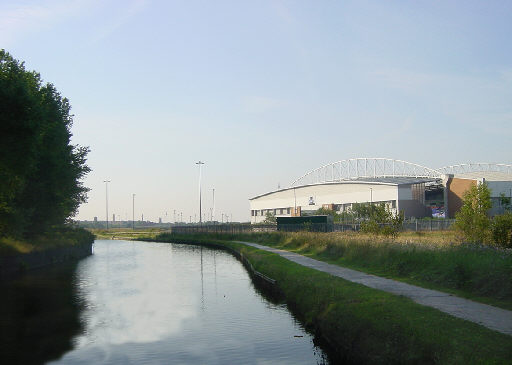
pixel 17 258
pixel 365 325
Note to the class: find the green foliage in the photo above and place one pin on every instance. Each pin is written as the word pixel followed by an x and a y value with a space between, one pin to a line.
pixel 472 219
pixel 379 219
pixel 502 230
pixel 40 171
pixel 505 202
pixel 270 218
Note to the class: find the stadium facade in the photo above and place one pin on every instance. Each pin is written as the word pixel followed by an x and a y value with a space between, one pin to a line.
pixel 417 191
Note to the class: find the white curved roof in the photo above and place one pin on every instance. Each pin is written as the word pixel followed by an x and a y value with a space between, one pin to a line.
pixel 366 168
pixel 380 168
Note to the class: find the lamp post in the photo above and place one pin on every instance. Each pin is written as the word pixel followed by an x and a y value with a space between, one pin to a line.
pixel 200 163
pixel 133 211
pixel 213 209
pixel 106 198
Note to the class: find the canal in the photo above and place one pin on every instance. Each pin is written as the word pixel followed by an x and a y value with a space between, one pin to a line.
pixel 152 303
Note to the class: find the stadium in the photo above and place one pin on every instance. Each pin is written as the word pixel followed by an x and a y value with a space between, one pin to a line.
pixel 417 191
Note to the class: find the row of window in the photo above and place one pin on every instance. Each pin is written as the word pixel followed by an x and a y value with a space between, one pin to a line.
pixel 263 212
pixel 336 207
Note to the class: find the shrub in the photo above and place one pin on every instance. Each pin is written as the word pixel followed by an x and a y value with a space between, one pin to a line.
pixel 472 220
pixel 502 230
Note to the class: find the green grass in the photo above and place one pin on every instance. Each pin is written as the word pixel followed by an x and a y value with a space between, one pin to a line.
pixel 479 273
pixel 369 326
pixel 60 237
pixel 125 233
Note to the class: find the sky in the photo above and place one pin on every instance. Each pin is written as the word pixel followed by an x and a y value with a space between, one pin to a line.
pixel 264 91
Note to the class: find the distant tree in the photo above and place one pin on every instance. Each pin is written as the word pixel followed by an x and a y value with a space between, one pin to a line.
pixel 40 171
pixel 379 219
pixel 270 218
pixel 501 228
pixel 325 211
pixel 472 219
pixel 505 202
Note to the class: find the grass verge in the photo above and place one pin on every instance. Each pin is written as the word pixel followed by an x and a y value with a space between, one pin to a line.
pixel 365 325
pixel 60 237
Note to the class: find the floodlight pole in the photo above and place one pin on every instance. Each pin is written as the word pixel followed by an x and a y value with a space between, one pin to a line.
pixel 213 209
pixel 106 198
pixel 295 203
pixel 200 163
pixel 133 211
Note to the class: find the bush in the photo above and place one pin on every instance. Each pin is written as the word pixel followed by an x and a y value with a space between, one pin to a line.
pixel 472 220
pixel 380 220
pixel 502 230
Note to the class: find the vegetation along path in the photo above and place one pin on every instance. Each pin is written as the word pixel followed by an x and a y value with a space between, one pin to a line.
pixel 491 317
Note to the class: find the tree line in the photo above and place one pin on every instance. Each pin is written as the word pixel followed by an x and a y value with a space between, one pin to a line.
pixel 41 172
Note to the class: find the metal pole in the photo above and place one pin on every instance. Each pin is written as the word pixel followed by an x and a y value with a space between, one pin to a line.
pixel 371 195
pixel 200 215
pixel 133 211
pixel 295 199
pixel 106 198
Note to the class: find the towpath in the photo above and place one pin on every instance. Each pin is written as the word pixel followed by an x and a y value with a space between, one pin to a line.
pixel 491 317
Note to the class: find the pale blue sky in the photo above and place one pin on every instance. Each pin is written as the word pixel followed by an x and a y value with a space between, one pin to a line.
pixel 264 91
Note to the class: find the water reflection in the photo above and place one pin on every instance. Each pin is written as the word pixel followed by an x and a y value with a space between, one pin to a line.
pixel 39 316
pixel 158 303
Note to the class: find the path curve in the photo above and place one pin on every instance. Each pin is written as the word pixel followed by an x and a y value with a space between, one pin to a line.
pixel 491 317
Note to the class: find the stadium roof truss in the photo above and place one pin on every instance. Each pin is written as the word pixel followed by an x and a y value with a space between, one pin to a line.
pixel 360 168
pixel 372 168
pixel 476 167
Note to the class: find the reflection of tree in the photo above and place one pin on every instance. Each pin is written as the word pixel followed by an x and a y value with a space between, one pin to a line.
pixel 39 315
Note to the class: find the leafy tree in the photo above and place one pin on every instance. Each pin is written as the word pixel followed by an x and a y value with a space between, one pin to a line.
pixel 501 228
pixel 325 211
pixel 505 202
pixel 40 170
pixel 270 218
pixel 379 219
pixel 472 219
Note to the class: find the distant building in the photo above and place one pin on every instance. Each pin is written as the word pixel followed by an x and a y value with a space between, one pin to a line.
pixel 416 190
pixel 95 219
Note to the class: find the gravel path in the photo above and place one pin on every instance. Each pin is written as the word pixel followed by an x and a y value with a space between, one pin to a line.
pixel 491 317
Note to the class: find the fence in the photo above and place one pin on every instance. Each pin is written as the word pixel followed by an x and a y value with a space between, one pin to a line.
pixel 412 225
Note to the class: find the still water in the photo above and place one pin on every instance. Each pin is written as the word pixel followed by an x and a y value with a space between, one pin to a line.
pixel 160 303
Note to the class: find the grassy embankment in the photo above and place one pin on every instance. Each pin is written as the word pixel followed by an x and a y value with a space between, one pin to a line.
pixel 429 259
pixel 125 233
pixel 64 237
pixel 365 325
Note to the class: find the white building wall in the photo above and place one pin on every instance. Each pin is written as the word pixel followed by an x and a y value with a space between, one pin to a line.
pixel 339 193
